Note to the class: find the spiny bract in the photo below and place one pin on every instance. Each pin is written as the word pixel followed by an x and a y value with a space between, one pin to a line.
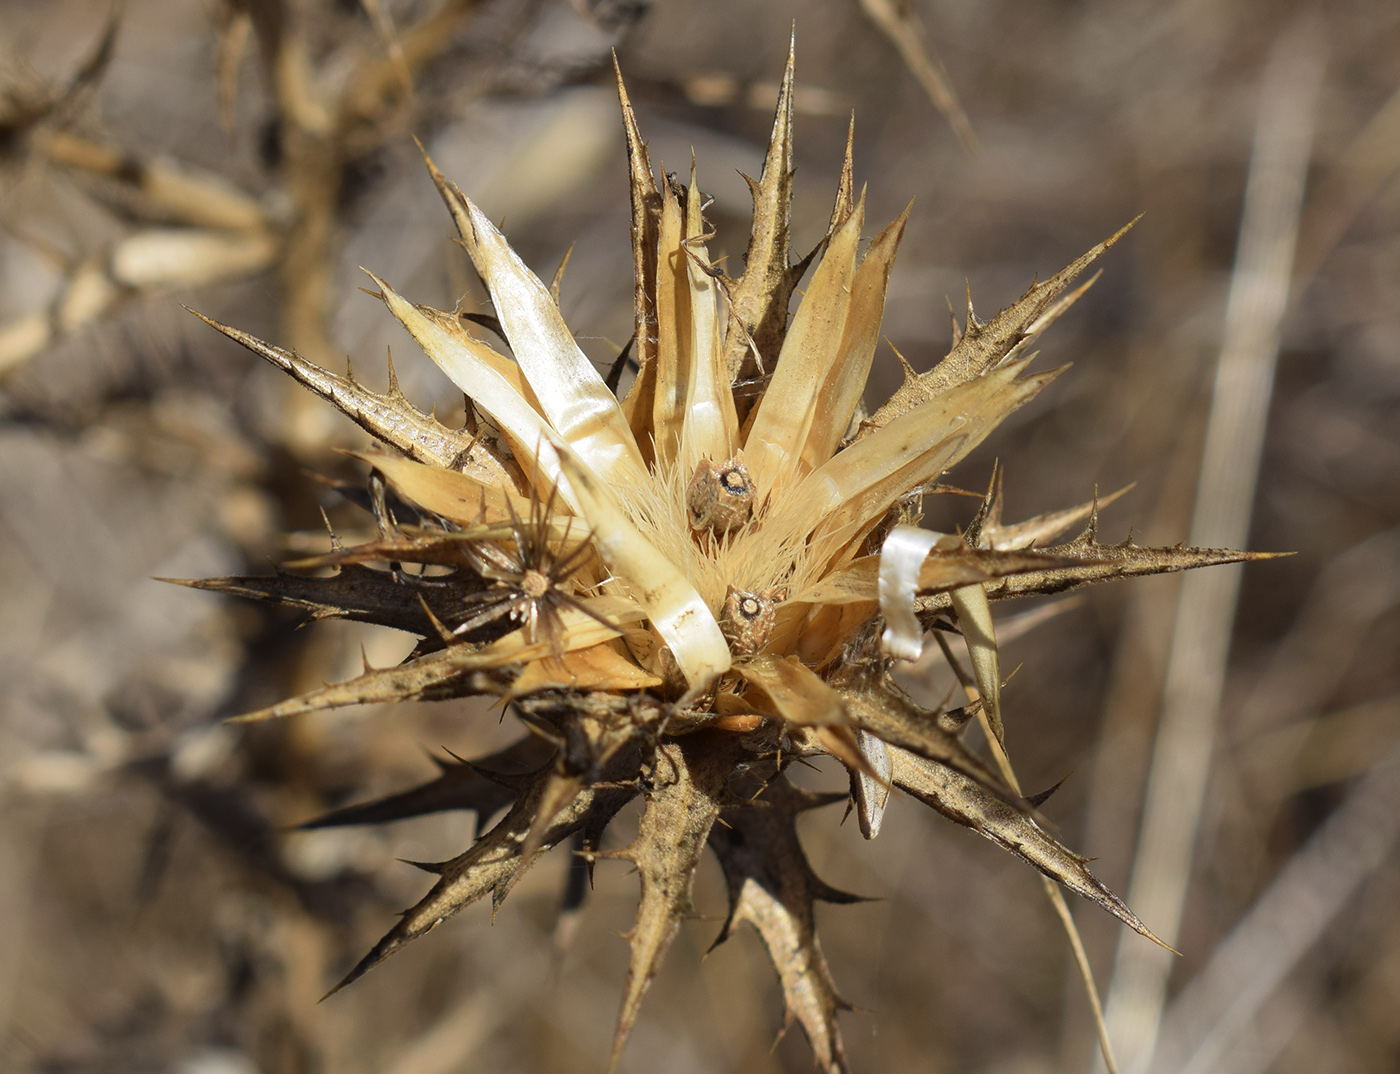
pixel 684 590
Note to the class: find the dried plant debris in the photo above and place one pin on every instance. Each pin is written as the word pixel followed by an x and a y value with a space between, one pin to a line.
pixel 573 558
pixel 482 786
pixel 772 887
pixel 898 22
pixel 336 98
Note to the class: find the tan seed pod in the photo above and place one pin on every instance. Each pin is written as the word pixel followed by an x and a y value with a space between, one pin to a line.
pixel 747 619
pixel 720 498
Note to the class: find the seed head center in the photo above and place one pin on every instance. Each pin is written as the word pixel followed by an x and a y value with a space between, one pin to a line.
pixel 534 584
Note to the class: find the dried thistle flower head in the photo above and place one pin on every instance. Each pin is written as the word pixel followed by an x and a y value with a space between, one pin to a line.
pixel 685 589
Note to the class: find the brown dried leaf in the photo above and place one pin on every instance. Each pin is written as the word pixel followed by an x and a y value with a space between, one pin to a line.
pixel 590 746
pixel 559 790
pixel 799 697
pixel 494 861
pixel 598 668
pixel 841 394
pixel 356 593
pixel 985 346
pixel 646 211
pixel 941 571
pixel 1098 563
pixel 871 793
pixel 898 722
pixel 758 300
pixel 846 186
pixel 796 693
pixel 861 483
pixel 462 498
pixel 673 329
pixel 479 786
pixel 711 428
pixel 570 391
pixel 772 887
pixel 974 613
pixel 675 609
pixel 435 547
pixel 783 418
pixel 457 671
pixel 973 806
pixel 494 389
pixel 1035 531
pixel 389 418
pixel 688 782
pixel 454 325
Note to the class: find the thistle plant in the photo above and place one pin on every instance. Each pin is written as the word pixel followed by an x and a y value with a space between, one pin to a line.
pixel 683 588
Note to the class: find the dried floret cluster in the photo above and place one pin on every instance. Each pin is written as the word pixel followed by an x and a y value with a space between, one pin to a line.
pixel 686 587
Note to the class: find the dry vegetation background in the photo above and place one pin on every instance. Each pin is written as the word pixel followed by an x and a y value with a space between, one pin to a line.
pixel 156 912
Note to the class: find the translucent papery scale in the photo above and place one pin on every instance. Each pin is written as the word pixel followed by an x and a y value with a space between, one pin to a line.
pixel 901 562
